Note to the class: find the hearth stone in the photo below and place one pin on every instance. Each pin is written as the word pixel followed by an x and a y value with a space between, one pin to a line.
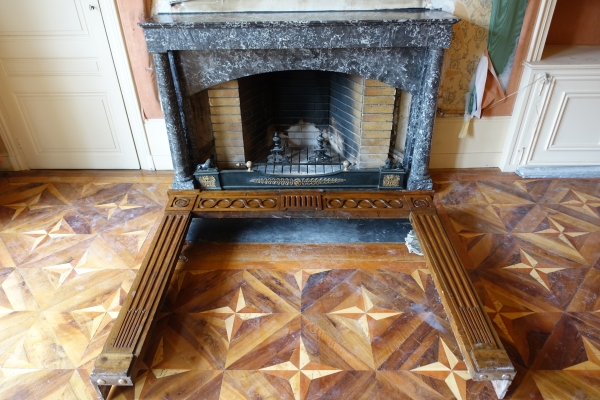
pixel 403 48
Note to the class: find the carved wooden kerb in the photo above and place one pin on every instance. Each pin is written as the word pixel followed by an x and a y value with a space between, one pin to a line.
pixel 482 350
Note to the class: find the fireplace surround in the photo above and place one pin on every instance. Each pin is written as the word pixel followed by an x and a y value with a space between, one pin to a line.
pixel 376 53
pixel 402 48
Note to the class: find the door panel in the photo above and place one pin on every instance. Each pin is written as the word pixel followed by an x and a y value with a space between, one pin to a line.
pixel 69 123
pixel 569 133
pixel 41 18
pixel 59 86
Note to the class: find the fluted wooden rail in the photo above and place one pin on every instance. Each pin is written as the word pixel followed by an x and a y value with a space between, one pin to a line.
pixel 117 362
pixel 482 350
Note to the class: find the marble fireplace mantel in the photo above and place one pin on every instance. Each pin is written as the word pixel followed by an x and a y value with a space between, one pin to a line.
pixel 403 48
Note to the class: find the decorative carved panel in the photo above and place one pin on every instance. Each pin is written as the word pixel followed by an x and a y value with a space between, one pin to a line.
pixel 250 203
pixel 363 204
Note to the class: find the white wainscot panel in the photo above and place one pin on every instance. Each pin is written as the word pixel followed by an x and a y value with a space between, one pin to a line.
pixel 556 119
pixel 577 125
pixel 69 123
pixel 569 126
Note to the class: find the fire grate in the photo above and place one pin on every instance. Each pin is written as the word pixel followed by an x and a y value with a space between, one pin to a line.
pixel 307 160
pixel 299 161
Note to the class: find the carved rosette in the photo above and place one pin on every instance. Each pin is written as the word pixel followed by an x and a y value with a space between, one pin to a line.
pixel 421 203
pixel 180 202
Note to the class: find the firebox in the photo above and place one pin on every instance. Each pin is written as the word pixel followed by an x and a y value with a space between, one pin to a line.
pixel 299 128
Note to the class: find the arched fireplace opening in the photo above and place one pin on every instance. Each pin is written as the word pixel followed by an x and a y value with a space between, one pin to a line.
pixel 313 120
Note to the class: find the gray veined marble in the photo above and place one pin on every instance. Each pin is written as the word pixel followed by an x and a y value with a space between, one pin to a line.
pixel 583 171
pixel 246 31
pixel 403 48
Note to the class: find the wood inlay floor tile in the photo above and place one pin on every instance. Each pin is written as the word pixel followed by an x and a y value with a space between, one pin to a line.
pixel 533 277
pixel 65 269
pixel 587 298
pixel 305 333
pixel 568 384
pixel 297 322
pixel 537 279
pixel 573 346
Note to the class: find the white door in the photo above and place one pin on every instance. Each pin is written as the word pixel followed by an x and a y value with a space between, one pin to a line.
pixel 59 87
pixel 569 132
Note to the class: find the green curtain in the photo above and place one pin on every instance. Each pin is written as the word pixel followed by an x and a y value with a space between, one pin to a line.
pixel 505 27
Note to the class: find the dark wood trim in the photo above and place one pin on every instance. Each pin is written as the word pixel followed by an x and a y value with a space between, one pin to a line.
pixel 482 350
pixel 117 363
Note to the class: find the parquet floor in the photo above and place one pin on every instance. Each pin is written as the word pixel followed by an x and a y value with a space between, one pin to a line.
pixel 259 321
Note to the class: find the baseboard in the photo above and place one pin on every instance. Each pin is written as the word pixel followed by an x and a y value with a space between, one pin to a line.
pixel 481 148
pixel 156 131
pixel 465 160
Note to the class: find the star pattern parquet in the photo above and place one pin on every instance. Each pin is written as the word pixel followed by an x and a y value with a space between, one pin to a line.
pixel 250 321
pixel 67 261
pixel 366 323
pixel 533 249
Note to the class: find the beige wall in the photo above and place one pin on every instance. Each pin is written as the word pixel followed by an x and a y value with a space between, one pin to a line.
pixel 481 148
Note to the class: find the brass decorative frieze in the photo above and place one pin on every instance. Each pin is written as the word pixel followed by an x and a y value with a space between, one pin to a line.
pixel 297 181
pixel 207 182
pixel 391 181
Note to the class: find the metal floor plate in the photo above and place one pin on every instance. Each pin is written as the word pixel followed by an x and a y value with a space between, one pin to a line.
pixel 310 230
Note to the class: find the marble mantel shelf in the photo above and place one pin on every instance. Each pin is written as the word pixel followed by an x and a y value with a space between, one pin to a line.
pixel 300 18
pixel 350 29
